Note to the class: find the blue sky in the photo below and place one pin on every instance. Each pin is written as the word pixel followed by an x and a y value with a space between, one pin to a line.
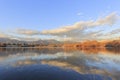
pixel 40 15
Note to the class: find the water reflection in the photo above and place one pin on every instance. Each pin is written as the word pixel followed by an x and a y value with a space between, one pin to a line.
pixel 45 72
pixel 60 64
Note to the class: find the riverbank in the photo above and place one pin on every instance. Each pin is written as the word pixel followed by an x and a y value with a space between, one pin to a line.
pixel 84 44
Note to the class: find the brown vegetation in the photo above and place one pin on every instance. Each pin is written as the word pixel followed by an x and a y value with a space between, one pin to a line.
pixel 81 45
pixel 86 44
pixel 114 43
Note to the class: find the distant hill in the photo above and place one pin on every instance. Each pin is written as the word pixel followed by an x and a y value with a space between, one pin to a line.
pixel 55 43
pixel 6 40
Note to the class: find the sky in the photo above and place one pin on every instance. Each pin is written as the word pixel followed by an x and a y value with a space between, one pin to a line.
pixel 76 20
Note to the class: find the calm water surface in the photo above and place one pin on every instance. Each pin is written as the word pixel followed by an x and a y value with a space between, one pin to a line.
pixel 59 64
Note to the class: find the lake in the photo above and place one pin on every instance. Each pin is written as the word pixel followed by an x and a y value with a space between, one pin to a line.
pixel 59 64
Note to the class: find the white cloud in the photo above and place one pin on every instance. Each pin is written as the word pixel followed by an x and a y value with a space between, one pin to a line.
pixel 77 30
pixel 3 35
pixel 79 14
pixel 108 20
pixel 113 32
pixel 27 32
